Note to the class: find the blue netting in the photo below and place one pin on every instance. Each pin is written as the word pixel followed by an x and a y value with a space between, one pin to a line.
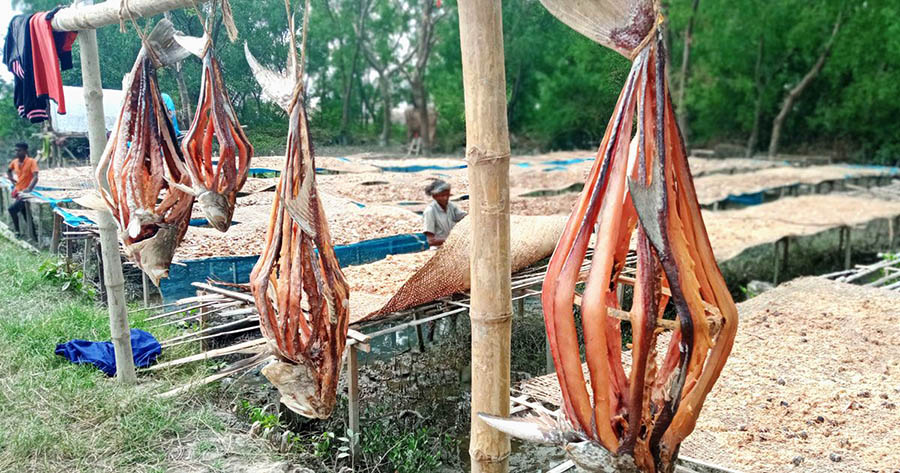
pixel 236 269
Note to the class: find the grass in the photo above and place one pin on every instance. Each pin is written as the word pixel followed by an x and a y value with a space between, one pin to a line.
pixel 57 416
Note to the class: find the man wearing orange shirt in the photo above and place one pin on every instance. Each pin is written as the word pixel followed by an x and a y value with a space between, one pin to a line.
pixel 23 173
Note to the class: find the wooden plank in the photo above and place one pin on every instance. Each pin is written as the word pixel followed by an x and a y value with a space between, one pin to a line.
pixel 240 347
pixel 225 292
pixel 564 466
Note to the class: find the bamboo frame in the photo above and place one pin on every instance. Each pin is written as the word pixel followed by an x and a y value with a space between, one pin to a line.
pixel 487 140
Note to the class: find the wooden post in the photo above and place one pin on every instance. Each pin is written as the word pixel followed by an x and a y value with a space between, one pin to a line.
pixel 85 261
pixel 549 354
pixel 420 339
pixel 781 256
pixel 145 285
pixel 39 235
pixel 487 153
pixel 848 249
pixel 109 242
pixel 68 251
pixel 29 221
pixel 353 400
pixel 56 234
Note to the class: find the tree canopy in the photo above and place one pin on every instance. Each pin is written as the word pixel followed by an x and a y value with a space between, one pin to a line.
pixel 746 55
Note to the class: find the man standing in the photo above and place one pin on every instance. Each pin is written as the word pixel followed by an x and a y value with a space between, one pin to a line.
pixel 23 173
pixel 441 215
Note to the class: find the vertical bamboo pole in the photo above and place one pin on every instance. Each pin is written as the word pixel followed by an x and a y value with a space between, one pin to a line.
pixel 487 141
pixel 109 242
pixel 56 234
pixel 353 401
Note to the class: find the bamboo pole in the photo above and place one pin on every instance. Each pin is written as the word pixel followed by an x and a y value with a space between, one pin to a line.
pixel 487 140
pixel 109 242
pixel 90 17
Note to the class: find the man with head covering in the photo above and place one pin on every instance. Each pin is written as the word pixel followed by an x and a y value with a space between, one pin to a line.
pixel 441 215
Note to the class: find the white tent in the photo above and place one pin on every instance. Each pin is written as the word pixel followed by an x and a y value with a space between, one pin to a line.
pixel 75 119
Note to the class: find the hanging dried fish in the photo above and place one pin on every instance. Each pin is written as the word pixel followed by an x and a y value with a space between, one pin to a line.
pixel 300 291
pixel 633 421
pixel 142 164
pixel 215 183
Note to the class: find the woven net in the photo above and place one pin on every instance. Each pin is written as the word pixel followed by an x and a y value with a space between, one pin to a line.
pixel 531 240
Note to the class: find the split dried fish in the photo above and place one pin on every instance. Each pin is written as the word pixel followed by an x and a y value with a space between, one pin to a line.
pixel 300 291
pixel 634 421
pixel 215 182
pixel 142 166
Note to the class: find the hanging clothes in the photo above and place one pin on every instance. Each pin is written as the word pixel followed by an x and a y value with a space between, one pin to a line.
pixel 35 55
pixel 17 57
pixel 46 46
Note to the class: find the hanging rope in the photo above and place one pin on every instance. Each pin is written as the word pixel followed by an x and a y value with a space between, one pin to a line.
pixel 125 9
pixel 303 40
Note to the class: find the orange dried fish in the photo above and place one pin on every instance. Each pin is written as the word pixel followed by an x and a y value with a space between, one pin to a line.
pixel 216 183
pixel 142 165
pixel 300 291
pixel 634 421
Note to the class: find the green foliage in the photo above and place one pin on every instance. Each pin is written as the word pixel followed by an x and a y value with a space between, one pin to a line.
pixel 64 417
pixel 55 271
pixel 258 414
pixel 561 87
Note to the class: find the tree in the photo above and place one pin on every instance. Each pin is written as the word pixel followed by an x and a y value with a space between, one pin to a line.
pixel 382 52
pixel 798 89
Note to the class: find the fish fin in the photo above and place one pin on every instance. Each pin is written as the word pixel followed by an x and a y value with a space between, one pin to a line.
pixel 539 429
pixel 162 41
pixel 192 44
pixel 648 202
pixel 277 88
pixel 301 213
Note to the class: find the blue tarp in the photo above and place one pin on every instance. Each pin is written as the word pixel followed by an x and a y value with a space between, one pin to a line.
pixel 236 269
pixel 420 168
pixel 753 198
pixel 144 348
pixel 566 162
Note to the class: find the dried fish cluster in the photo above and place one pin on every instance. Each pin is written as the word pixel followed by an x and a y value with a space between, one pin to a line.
pixel 216 183
pixel 635 421
pixel 142 165
pixel 300 292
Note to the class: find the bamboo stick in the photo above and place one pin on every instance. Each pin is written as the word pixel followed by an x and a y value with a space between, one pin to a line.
pixel 88 17
pixel 109 243
pixel 487 140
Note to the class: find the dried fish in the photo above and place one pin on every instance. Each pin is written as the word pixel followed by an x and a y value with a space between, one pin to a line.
pixel 634 421
pixel 300 291
pixel 216 183
pixel 142 170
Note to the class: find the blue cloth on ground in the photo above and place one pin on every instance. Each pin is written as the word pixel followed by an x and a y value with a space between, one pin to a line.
pixel 144 348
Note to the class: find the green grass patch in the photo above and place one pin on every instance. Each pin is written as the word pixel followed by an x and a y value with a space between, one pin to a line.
pixel 62 417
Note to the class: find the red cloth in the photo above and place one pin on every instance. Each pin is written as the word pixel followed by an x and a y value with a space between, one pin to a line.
pixel 47 78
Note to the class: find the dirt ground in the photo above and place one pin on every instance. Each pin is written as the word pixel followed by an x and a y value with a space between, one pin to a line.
pixel 813 383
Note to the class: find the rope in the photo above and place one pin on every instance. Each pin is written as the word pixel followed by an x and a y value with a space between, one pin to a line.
pixel 303 40
pixel 660 19
pixel 125 9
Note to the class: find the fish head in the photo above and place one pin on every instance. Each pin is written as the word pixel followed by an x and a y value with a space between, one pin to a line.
pixel 300 391
pixel 217 209
pixel 591 456
pixel 154 255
